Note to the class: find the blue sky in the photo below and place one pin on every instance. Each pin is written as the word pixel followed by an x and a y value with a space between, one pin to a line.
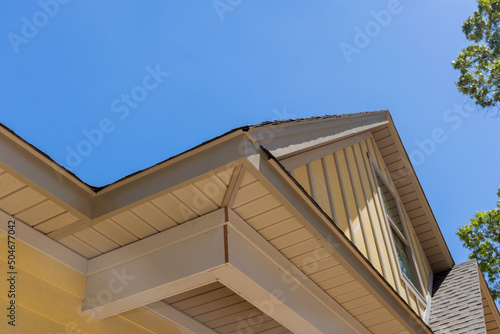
pixel 160 77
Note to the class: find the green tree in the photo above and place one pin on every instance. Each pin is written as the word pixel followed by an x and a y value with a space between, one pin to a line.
pixel 479 63
pixel 482 237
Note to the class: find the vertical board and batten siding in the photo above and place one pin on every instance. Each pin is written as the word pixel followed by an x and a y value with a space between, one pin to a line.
pixel 49 298
pixel 343 183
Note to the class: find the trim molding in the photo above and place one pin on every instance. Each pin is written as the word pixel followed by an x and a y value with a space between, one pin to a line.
pixel 305 157
pixel 273 174
pixel 44 244
pixel 194 254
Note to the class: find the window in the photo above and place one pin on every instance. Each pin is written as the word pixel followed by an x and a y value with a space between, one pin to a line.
pixel 399 233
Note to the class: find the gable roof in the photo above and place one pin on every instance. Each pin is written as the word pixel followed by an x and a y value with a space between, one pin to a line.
pixel 289 138
pixel 281 139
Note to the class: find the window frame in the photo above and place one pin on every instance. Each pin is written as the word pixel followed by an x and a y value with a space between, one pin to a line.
pixel 418 290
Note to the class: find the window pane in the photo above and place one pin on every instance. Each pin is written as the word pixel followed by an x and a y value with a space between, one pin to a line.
pixel 390 206
pixel 404 260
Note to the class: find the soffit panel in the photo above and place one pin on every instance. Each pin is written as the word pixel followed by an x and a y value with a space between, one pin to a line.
pixel 406 185
pixel 490 310
pixel 221 309
pixel 158 213
pixel 23 202
pixel 273 221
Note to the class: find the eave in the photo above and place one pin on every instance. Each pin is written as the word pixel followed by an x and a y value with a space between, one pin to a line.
pixel 243 148
pixel 288 139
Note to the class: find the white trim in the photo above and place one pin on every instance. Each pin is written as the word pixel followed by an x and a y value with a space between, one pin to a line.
pixel 45 176
pixel 429 298
pixel 157 241
pixel 69 230
pixel 43 244
pixel 154 183
pixel 300 159
pixel 391 227
pixel 286 139
pixel 234 186
pixel 157 273
pixel 180 319
pixel 200 252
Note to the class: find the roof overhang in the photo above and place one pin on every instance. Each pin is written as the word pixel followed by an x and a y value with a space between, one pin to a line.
pixel 259 150
pixel 282 139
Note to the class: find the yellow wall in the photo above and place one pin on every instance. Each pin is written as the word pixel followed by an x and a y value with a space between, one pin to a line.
pixel 49 299
pixel 343 183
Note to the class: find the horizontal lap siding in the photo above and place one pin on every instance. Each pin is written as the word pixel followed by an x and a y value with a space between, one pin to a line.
pixel 49 300
pixel 343 184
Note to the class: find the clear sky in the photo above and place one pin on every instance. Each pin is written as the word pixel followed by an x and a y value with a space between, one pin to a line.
pixel 159 77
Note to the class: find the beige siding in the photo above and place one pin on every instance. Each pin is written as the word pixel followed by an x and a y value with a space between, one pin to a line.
pixel 43 285
pixel 350 199
pixel 343 184
pixel 337 195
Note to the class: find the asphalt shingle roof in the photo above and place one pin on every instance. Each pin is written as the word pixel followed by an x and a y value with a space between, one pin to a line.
pixel 456 305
